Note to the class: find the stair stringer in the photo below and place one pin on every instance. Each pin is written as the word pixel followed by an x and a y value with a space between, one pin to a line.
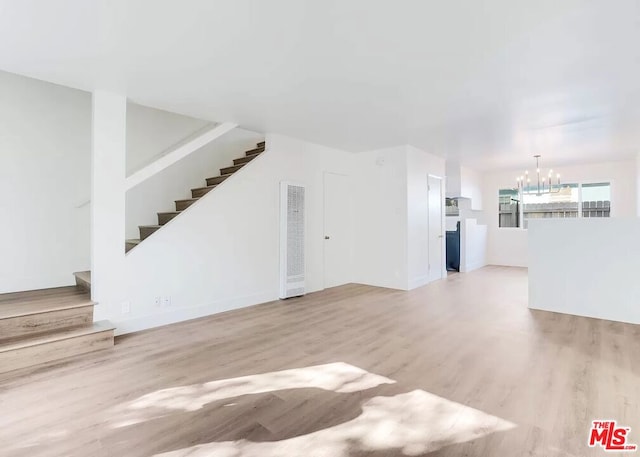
pixel 158 193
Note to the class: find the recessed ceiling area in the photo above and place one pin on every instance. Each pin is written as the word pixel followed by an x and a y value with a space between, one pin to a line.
pixel 488 83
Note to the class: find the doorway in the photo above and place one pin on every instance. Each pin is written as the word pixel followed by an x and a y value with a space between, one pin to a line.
pixel 337 228
pixel 436 239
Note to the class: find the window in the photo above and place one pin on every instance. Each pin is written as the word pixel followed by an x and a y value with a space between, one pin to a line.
pixel 509 208
pixel 570 201
pixel 596 200
pixel 452 207
pixel 560 204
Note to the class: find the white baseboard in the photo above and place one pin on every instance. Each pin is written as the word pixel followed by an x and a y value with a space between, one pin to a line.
pixel 418 282
pixel 472 266
pixel 178 314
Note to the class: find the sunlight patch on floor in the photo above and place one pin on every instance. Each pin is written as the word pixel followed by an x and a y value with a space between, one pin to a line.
pixel 337 377
pixel 413 423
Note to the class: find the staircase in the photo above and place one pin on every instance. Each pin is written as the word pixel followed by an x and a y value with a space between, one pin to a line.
pixel 42 326
pixel 181 205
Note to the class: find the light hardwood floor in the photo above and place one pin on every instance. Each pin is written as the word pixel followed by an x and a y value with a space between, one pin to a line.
pixel 458 368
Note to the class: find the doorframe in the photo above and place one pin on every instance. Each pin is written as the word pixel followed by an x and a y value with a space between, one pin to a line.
pixel 443 244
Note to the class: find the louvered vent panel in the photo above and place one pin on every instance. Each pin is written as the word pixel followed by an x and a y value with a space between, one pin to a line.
pixel 291 240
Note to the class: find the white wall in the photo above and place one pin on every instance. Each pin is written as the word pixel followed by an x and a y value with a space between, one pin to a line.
pixel 454 183
pixel 473 245
pixel 464 182
pixel 380 217
pixel 223 253
pixel 158 193
pixel 420 165
pixel 391 214
pixel 108 162
pixel 471 187
pixel 151 132
pixel 508 246
pixel 586 267
pixel 45 155
pixel 451 223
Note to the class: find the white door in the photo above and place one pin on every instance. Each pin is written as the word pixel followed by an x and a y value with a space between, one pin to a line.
pixel 337 229
pixel 436 239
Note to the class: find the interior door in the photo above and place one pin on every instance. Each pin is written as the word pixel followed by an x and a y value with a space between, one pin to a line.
pixel 337 229
pixel 436 239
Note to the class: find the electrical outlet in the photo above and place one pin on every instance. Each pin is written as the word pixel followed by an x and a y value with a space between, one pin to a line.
pixel 158 301
pixel 126 307
pixel 167 301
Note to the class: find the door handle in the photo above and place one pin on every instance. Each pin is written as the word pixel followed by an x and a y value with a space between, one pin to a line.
pixel 326 237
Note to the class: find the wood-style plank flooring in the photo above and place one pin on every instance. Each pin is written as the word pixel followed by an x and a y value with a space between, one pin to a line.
pixel 38 301
pixel 457 368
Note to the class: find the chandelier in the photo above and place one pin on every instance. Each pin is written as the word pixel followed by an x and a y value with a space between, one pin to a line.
pixel 541 185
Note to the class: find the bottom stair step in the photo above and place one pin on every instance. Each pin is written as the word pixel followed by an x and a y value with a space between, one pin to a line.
pixel 130 244
pixel 83 280
pixel 27 352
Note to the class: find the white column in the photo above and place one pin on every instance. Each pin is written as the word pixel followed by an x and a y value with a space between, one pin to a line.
pixel 108 152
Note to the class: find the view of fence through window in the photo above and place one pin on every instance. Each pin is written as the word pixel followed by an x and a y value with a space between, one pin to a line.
pixel 563 203
pixel 509 208
pixel 571 200
pixel 596 200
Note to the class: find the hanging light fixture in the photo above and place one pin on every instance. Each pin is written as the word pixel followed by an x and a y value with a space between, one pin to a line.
pixel 540 185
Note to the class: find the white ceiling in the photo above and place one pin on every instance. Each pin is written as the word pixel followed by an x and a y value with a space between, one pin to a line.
pixel 489 83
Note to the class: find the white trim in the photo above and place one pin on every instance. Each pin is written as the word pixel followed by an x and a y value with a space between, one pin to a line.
pixel 172 316
pixel 177 154
pixel 418 282
pixel 473 266
pixel 443 229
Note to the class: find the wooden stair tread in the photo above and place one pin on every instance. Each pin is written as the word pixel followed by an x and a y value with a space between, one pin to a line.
pixel 41 301
pixel 245 159
pixel 150 226
pixel 204 187
pixel 97 327
pixel 133 241
pixel 232 169
pixel 199 192
pixel 167 216
pixel 217 179
pixel 186 200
